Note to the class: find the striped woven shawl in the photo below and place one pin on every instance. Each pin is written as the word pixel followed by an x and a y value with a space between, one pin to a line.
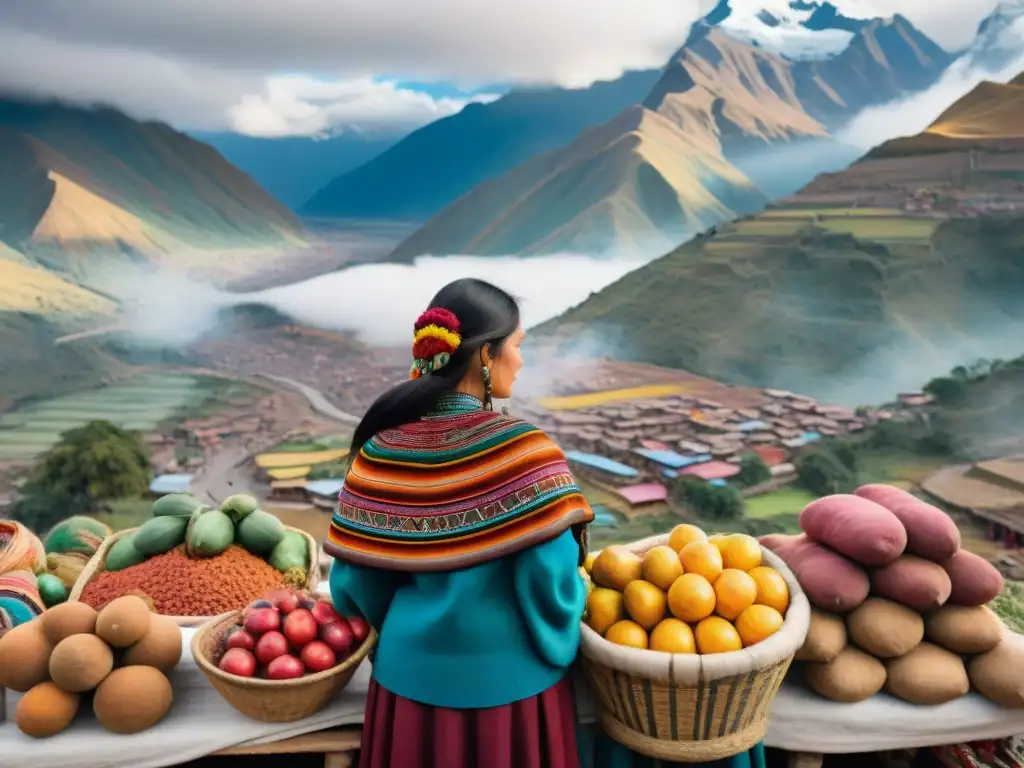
pixel 457 488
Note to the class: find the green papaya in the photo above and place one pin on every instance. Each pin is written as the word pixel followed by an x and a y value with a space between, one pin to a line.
pixel 123 554
pixel 161 534
pixel 239 506
pixel 175 504
pixel 291 552
pixel 51 589
pixel 209 534
pixel 260 532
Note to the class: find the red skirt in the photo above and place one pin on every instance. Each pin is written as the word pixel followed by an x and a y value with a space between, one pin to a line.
pixel 538 732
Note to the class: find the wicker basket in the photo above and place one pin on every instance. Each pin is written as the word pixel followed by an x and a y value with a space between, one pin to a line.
pixel 272 701
pixel 691 708
pixel 97 565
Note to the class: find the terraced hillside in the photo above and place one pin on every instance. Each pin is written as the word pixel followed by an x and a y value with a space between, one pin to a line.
pixel 140 404
pixel 864 276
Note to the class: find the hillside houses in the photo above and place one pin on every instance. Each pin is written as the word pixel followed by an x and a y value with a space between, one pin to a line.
pixel 674 435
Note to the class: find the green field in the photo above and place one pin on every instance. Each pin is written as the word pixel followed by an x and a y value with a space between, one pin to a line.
pixel 322 443
pixel 142 404
pixel 779 227
pixel 881 228
pixel 786 501
pixel 788 213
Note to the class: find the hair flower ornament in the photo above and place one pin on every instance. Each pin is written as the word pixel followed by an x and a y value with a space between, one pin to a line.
pixel 435 339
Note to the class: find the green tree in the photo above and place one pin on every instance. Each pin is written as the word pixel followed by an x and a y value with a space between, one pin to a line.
pixel 948 390
pixel 753 471
pixel 711 502
pixel 824 472
pixel 88 466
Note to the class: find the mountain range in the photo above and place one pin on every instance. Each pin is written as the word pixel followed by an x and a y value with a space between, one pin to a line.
pixel 85 193
pixel 904 261
pixel 727 126
pixel 439 162
pixel 292 169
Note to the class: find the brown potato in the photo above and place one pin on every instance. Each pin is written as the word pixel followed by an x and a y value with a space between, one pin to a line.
pixel 964 629
pixel 927 675
pixel 826 638
pixel 850 677
pixel 999 674
pixel 885 629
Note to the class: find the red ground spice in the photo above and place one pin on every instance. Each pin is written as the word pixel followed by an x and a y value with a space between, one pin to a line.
pixel 180 585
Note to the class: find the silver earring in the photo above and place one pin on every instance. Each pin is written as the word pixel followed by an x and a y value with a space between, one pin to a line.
pixel 486 372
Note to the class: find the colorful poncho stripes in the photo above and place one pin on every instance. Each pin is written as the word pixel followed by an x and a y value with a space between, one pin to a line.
pixel 457 488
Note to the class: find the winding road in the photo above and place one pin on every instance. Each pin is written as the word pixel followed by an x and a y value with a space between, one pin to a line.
pixel 225 473
pixel 316 399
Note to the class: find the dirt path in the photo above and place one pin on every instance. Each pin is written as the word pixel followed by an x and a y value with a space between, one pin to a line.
pixel 316 399
pixel 223 475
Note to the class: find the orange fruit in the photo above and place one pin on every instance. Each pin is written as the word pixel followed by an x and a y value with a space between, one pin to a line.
pixel 735 591
pixel 703 558
pixel 718 540
pixel 673 636
pixel 691 597
pixel 615 566
pixel 628 633
pixel 741 552
pixel 716 635
pixel 758 623
pixel 588 564
pixel 644 602
pixel 772 589
pixel 661 567
pixel 683 534
pixel 604 608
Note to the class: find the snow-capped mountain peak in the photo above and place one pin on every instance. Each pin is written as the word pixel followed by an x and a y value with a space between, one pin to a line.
pixel 796 29
pixel 1000 38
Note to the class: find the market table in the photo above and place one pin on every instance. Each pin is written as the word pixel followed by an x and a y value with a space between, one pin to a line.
pixel 201 723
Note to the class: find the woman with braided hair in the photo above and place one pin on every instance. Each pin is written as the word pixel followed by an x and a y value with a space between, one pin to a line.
pixel 458 536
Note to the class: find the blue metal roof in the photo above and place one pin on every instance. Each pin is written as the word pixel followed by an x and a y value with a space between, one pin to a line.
pixel 601 462
pixel 752 426
pixel 810 437
pixel 669 473
pixel 671 459
pixel 324 487
pixel 717 482
pixel 164 484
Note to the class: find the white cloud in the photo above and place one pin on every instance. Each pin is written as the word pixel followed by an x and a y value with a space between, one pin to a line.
pixel 211 64
pixel 298 105
pixel 905 118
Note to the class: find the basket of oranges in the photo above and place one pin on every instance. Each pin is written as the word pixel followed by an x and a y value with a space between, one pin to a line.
pixel 686 639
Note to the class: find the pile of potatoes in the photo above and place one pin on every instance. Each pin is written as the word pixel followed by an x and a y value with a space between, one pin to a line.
pixel 897 604
pixel 120 654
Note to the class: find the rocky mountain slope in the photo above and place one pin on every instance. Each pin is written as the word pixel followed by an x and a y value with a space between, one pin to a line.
pixel 436 164
pixel 746 125
pixel 861 283
pixel 86 197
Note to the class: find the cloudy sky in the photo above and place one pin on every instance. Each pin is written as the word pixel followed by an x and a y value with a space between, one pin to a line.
pixel 305 67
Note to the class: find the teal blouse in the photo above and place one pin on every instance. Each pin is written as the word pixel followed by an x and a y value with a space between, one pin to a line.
pixel 483 636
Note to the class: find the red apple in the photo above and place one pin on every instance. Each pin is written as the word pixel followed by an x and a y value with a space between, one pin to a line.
pixel 284 599
pixel 238 661
pixel 360 629
pixel 324 613
pixel 241 638
pixel 338 637
pixel 317 656
pixel 262 620
pixel 270 646
pixel 299 627
pixel 285 667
